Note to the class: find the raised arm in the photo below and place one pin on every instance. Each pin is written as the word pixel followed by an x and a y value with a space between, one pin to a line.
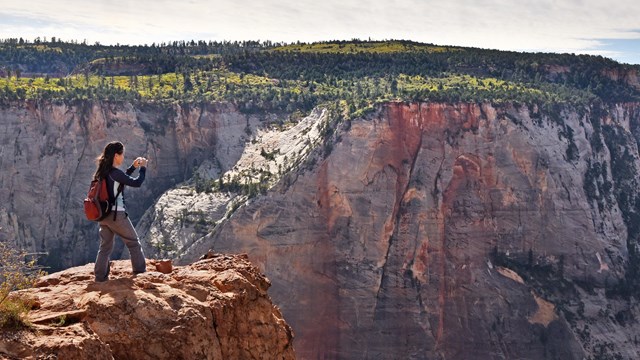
pixel 119 176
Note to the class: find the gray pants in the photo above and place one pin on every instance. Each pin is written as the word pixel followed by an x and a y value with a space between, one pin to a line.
pixel 108 230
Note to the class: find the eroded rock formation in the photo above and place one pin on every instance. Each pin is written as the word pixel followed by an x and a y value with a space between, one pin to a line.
pixel 183 215
pixel 438 231
pixel 217 308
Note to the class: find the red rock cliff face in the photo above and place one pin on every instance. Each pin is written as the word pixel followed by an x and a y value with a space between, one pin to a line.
pixel 386 249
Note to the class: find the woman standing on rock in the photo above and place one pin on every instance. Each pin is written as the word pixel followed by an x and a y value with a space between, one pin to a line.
pixel 117 222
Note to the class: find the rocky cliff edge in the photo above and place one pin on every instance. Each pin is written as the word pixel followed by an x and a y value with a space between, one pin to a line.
pixel 216 308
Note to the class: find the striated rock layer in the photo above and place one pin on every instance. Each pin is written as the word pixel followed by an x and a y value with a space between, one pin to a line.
pixel 47 159
pixel 467 231
pixel 216 308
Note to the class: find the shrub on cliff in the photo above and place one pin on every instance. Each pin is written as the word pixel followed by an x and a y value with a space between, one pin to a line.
pixel 15 274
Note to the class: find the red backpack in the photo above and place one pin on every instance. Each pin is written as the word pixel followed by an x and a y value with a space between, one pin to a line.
pixel 96 204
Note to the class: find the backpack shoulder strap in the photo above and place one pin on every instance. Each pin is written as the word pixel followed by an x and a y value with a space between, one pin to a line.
pixel 120 189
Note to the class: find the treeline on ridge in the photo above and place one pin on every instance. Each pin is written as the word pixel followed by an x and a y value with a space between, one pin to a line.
pixel 265 76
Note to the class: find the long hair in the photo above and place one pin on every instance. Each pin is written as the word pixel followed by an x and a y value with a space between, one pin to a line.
pixel 105 160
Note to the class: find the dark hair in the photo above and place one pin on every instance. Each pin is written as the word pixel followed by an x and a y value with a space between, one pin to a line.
pixel 105 160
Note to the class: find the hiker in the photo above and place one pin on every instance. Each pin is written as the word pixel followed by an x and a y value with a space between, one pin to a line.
pixel 117 221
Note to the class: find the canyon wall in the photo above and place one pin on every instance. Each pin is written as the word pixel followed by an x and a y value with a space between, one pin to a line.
pixel 421 231
pixel 466 231
pixel 48 153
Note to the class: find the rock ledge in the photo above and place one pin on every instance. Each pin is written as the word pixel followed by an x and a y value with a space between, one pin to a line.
pixel 216 308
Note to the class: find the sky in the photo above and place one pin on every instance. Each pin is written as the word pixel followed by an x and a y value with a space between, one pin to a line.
pixel 597 27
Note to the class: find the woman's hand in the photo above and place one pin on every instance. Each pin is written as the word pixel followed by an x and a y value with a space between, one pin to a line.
pixel 140 161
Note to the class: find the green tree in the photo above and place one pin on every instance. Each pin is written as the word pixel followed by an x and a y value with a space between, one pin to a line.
pixel 188 85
